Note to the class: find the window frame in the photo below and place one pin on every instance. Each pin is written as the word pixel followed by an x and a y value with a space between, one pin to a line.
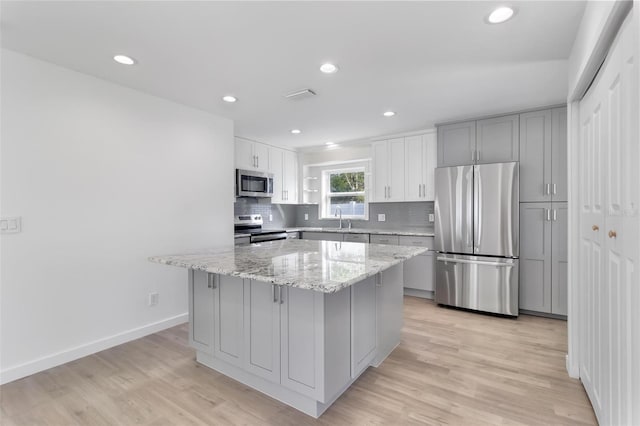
pixel 326 194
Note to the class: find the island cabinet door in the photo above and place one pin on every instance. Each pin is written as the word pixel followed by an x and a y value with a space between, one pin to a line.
pixel 363 325
pixel 262 329
pixel 201 310
pixel 302 341
pixel 229 319
pixel 390 302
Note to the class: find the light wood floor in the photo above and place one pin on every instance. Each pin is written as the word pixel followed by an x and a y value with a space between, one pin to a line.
pixel 452 367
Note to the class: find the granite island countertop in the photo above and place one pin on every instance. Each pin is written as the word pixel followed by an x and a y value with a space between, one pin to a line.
pixel 324 266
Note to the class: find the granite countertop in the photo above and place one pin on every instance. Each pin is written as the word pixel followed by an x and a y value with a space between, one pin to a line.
pixel 324 266
pixel 406 231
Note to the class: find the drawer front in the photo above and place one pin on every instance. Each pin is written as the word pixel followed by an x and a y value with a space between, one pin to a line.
pixel 384 239
pixel 356 238
pixel 322 236
pixel 406 240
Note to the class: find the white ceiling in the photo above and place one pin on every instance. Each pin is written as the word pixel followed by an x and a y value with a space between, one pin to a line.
pixel 428 61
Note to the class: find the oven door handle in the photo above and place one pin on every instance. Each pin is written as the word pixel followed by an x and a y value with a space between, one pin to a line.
pixel 271 237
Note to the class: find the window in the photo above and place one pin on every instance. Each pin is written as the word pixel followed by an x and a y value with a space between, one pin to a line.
pixel 344 190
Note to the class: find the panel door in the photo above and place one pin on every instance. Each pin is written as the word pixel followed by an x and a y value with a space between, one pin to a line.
pixel 201 318
pixel 262 329
pixel 535 156
pixel 429 160
pixel 559 159
pixel 290 177
pixel 559 258
pixel 302 336
pixel 380 171
pixel 497 139
pixel 229 319
pixel 363 325
pixel 419 272
pixel 457 144
pixel 390 299
pixel 414 156
pixel 395 191
pixel 535 257
pixel 276 167
pixel 261 152
pixel 244 154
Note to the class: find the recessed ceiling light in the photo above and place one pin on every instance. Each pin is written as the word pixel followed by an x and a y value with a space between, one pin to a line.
pixel 229 98
pixel 329 143
pixel 389 113
pixel 296 131
pixel 124 60
pixel 500 15
pixel 328 68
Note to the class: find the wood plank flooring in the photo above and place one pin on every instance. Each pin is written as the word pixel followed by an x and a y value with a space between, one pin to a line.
pixel 452 367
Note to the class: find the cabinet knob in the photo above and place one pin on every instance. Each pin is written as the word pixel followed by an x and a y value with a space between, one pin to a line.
pixel 595 228
pixel 612 234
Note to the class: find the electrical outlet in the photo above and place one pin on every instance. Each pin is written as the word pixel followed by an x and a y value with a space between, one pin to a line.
pixel 10 225
pixel 306 216
pixel 432 217
pixel 270 217
pixel 382 217
pixel 154 298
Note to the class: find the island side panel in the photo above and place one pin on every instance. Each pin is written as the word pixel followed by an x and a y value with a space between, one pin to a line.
pixel 390 311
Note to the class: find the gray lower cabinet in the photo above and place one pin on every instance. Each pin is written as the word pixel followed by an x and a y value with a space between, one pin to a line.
pixel 456 144
pixel 356 238
pixel 322 236
pixel 201 294
pixel 497 139
pixel 543 257
pixel 228 318
pixel 419 272
pixel 543 155
pixel 262 329
pixel 384 239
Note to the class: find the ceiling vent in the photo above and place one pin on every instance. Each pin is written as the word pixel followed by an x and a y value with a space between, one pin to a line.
pixel 300 94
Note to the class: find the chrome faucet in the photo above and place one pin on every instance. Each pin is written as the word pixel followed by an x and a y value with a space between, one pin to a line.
pixel 339 209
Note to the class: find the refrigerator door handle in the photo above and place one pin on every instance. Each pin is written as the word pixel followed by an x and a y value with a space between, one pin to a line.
pixel 477 211
pixel 475 262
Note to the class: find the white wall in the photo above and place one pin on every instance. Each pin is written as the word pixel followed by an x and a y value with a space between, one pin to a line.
pixel 103 177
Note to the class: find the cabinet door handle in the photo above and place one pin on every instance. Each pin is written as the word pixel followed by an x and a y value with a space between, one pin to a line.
pixel 547 189
pixel 273 293
pixel 595 228
pixel 478 155
pixel 280 294
pixel 613 234
pixel 473 155
pixel 548 211
pixel 555 189
pixel 389 192
pixel 209 282
pixel 555 215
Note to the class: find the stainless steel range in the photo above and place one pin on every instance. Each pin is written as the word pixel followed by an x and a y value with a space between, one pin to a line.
pixel 251 225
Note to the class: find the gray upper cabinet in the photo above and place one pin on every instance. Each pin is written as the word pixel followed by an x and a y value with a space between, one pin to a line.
pixel 497 139
pixel 560 258
pixel 456 144
pixel 543 155
pixel 559 159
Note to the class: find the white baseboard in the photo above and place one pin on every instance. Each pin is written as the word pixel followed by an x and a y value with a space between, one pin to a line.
pixel 28 368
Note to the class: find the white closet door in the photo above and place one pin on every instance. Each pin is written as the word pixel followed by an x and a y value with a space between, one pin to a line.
pixel 609 236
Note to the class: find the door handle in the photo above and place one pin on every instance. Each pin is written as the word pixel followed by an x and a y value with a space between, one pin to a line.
pixel 257 161
pixel 280 294
pixel 555 215
pixel 273 293
pixel 595 228
pixel 613 234
pixel 555 189
pixel 548 212
pixel 209 282
pixel 473 155
pixel 547 189
pixel 389 192
pixel 474 262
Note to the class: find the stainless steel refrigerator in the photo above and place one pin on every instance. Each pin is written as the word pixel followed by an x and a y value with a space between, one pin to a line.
pixel 477 230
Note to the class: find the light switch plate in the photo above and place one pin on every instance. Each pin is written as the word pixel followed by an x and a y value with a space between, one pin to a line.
pixel 10 225
pixel 306 216
pixel 270 217
pixel 432 217
pixel 382 217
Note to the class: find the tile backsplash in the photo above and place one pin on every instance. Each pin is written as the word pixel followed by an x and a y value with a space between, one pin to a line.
pixel 414 215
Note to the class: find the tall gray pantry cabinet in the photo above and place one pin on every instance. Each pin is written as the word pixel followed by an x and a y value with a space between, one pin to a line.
pixel 537 139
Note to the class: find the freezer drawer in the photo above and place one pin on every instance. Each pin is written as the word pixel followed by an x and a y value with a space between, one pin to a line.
pixel 481 283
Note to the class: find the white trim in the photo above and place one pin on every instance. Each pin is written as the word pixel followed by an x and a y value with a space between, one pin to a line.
pixel 573 189
pixel 31 367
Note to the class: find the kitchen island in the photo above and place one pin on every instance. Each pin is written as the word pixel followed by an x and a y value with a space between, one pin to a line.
pixel 297 320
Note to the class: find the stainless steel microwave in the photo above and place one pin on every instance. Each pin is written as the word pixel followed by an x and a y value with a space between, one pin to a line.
pixel 252 183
